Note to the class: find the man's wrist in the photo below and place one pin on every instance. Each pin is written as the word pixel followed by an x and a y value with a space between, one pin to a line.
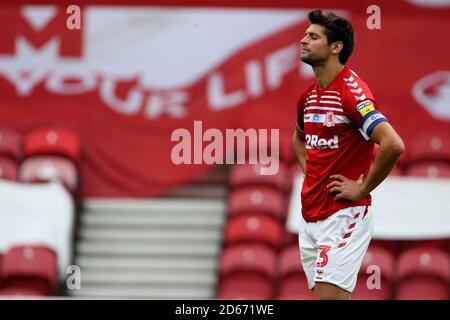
pixel 364 190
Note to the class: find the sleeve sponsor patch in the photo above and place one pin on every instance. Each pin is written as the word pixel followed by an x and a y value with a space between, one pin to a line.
pixel 365 107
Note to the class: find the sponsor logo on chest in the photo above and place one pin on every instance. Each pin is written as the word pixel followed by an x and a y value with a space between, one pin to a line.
pixel 315 142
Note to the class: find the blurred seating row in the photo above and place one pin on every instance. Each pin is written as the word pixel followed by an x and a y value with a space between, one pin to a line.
pixel 249 175
pixel 40 155
pixel 256 271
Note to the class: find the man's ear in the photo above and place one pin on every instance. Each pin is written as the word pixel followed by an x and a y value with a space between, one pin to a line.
pixel 336 47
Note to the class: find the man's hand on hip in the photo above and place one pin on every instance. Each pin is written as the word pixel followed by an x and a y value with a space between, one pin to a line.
pixel 346 189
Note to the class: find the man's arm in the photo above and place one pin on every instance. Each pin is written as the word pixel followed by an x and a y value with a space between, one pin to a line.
pixel 298 141
pixel 390 149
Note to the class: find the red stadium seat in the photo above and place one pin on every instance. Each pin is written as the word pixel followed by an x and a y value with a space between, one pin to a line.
pixel 53 141
pixel 29 269
pixel 292 279
pixel 247 269
pixel 8 169
pixel 429 145
pixel 244 257
pixel 260 200
pixel 375 275
pixel 423 274
pixel 254 227
pixel 21 292
pixel 10 144
pixel 250 175
pixel 433 169
pixel 41 169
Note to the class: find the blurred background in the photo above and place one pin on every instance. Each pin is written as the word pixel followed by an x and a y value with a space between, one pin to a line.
pixel 92 204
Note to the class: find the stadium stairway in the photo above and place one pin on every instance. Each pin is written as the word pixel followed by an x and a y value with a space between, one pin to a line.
pixel 164 248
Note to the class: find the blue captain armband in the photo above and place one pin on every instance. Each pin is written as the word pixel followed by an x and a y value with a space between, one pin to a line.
pixel 371 120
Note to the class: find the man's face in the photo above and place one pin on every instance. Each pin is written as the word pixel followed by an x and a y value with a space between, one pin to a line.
pixel 314 45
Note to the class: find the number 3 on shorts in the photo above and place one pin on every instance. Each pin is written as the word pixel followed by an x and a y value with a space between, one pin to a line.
pixel 323 255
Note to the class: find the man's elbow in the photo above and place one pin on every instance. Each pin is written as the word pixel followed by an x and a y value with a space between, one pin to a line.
pixel 397 147
pixel 388 139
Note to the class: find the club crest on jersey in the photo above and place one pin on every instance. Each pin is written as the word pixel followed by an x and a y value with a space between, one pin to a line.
pixel 329 119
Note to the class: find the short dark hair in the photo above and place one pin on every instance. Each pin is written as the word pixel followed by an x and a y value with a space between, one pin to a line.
pixel 336 29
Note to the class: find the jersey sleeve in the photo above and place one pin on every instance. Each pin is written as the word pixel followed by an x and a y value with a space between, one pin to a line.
pixel 361 108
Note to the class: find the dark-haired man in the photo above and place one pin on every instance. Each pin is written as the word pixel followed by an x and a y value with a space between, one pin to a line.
pixel 338 122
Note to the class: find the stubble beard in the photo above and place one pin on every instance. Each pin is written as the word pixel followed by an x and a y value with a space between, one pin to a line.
pixel 313 62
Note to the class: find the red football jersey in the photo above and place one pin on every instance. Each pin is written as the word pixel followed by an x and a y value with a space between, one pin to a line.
pixel 337 123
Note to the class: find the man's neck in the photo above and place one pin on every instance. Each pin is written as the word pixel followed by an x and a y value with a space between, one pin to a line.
pixel 326 73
